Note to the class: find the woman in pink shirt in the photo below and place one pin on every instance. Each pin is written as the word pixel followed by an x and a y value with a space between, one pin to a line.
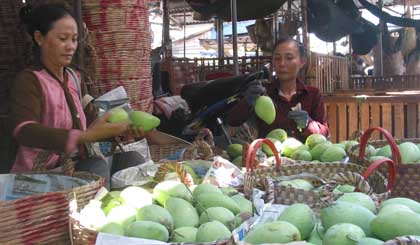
pixel 47 118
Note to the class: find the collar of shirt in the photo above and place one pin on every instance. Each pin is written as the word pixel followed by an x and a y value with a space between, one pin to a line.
pixel 273 89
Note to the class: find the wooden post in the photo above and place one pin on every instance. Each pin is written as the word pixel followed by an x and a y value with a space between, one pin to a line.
pixel 234 36
pixel 166 40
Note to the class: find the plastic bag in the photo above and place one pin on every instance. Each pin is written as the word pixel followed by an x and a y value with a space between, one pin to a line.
pixel 137 175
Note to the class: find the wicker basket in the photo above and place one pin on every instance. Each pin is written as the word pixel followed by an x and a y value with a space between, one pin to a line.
pixel 317 172
pixel 408 175
pixel 43 218
pixel 120 33
pixel 159 152
pixel 81 235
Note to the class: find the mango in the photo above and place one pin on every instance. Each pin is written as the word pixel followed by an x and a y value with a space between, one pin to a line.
pixel 387 226
pixel 148 230
pixel 223 215
pixel 274 232
pixel 345 212
pixel 228 191
pixel 144 120
pixel 369 241
pixel 301 216
pixel 123 215
pixel 290 145
pixel 156 214
pixel 343 234
pixel 349 144
pixel 205 188
pixel 360 199
pixel 298 184
pixel 164 190
pixel 212 231
pixel 344 189
pixel 301 155
pixel 265 110
pixel 413 205
pixel 238 161
pixel 278 134
pixel 394 207
pixel 333 154
pixel 317 151
pixel 118 115
pixel 182 212
pixel 244 204
pixel 212 199
pixel 268 150
pixel 315 139
pixel 369 151
pixel 384 151
pixel 112 228
pixel 410 153
pixel 316 235
pixel 234 150
pixel 184 234
pixel 136 197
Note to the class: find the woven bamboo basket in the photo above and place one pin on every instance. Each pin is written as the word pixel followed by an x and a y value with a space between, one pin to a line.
pixel 81 235
pixel 408 175
pixel 159 152
pixel 317 173
pixel 43 218
pixel 120 33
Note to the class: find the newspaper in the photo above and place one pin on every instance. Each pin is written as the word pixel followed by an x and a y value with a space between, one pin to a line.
pixel 115 98
pixel 15 186
pixel 223 173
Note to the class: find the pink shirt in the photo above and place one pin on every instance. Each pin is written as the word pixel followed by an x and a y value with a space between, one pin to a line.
pixel 55 114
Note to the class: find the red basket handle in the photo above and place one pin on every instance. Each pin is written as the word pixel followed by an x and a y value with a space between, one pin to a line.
pixel 396 156
pixel 392 171
pixel 252 151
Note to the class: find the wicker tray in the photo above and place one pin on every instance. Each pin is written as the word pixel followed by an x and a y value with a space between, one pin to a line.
pixel 43 218
pixel 408 175
pixel 263 178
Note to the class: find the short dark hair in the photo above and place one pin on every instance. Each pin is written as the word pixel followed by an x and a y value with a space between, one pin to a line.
pixel 42 17
pixel 287 39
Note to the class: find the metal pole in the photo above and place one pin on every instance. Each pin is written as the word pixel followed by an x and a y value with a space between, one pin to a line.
pixel 381 52
pixel 78 15
pixel 234 36
pixel 166 39
pixel 185 27
pixel 220 41
pixel 275 27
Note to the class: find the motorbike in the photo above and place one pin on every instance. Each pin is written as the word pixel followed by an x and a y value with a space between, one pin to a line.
pixel 209 102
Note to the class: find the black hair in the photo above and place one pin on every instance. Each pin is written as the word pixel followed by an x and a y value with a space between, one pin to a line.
pixel 42 17
pixel 287 39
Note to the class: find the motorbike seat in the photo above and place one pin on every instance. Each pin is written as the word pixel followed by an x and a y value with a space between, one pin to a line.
pixel 201 94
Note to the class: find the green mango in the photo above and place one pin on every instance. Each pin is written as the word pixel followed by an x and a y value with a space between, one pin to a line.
pixel 265 110
pixel 301 216
pixel 387 226
pixel 144 120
